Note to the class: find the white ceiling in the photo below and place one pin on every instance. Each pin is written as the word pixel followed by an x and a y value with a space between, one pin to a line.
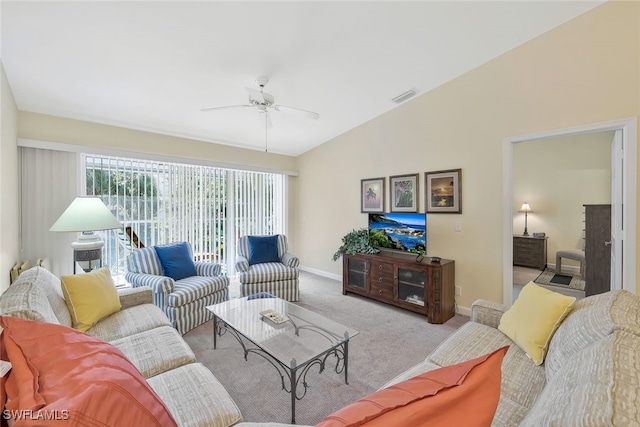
pixel 154 65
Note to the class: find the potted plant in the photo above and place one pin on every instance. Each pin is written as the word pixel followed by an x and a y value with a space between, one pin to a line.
pixel 355 242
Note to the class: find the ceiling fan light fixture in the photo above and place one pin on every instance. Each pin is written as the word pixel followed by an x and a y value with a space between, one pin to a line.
pixel 263 102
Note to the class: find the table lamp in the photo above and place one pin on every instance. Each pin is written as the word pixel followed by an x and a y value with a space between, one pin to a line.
pixel 86 215
pixel 526 209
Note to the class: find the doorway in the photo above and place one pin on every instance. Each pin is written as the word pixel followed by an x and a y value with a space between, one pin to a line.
pixel 623 198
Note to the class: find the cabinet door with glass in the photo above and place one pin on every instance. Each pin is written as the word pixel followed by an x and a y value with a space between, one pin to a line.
pixel 355 274
pixel 411 285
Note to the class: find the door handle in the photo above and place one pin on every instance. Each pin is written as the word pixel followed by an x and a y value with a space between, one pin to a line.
pixel 607 243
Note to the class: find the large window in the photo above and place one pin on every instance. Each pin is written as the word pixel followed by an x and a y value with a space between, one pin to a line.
pixel 168 202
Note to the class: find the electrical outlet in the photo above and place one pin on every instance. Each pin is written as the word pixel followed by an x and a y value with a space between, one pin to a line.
pixel 457 226
pixel 458 291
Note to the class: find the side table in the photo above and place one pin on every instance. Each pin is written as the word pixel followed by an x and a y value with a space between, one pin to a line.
pixel 530 251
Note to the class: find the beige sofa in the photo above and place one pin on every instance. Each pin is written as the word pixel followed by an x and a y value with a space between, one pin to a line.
pixel 591 374
pixel 590 377
pixel 144 334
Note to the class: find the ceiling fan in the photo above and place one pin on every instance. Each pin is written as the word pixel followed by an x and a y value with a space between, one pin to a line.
pixel 264 102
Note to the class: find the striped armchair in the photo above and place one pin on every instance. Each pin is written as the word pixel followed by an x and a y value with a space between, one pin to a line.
pixel 277 278
pixel 184 301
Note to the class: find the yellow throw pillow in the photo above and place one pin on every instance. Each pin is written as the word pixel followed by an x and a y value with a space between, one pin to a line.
pixel 90 297
pixel 533 319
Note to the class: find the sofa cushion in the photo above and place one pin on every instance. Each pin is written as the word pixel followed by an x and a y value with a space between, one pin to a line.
pixel 156 350
pixel 90 297
pixel 36 295
pixel 263 249
pixel 592 319
pixel 176 260
pixel 194 288
pixel 464 394
pixel 533 319
pixel 268 272
pixel 130 321
pixel 201 400
pixel 598 388
pixel 85 381
pixel 522 380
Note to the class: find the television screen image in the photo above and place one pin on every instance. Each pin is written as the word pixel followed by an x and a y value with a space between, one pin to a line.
pixel 402 231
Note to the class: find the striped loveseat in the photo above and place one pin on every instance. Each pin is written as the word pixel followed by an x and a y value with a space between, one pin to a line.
pixel 184 301
pixel 277 278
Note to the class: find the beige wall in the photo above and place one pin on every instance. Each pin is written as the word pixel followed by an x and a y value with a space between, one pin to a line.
pixel 557 177
pixel 9 235
pixel 583 72
pixel 57 129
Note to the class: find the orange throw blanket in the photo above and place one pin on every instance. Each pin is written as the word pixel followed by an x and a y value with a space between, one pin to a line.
pixel 465 394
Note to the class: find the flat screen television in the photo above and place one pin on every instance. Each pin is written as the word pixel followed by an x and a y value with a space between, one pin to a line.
pixel 401 231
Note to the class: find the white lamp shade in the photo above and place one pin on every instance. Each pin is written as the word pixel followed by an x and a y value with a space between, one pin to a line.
pixel 525 208
pixel 86 214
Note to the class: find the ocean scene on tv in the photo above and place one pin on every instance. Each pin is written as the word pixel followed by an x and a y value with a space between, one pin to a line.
pixel 402 231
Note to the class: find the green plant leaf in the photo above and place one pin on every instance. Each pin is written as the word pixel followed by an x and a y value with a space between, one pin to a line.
pixel 355 242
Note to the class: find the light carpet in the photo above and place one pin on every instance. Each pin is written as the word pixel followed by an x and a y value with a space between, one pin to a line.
pixel 390 341
pixel 550 278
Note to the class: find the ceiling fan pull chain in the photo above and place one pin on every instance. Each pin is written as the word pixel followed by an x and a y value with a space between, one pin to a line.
pixel 266 121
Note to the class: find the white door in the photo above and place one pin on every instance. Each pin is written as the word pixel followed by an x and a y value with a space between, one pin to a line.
pixel 617 203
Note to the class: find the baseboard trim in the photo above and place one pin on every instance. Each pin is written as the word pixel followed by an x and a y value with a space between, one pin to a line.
pixel 574 269
pixel 465 311
pixel 322 273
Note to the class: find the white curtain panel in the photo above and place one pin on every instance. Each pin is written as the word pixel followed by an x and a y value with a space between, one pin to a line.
pixel 49 182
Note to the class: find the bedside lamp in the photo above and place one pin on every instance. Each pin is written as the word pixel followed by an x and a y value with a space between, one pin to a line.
pixel 86 215
pixel 526 209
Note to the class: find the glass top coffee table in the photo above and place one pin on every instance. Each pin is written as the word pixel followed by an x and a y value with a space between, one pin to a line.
pixel 291 338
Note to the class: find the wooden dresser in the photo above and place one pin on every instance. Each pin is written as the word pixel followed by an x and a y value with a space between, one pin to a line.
pixel 530 251
pixel 398 279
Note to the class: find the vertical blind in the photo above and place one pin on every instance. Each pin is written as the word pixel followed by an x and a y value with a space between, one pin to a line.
pixel 168 202
pixel 48 184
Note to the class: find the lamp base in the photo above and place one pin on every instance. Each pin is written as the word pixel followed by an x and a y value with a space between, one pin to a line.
pixel 87 251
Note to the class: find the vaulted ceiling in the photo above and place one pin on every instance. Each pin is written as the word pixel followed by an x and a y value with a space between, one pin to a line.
pixel 155 65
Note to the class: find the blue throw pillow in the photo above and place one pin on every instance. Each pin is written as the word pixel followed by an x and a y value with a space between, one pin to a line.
pixel 263 249
pixel 176 260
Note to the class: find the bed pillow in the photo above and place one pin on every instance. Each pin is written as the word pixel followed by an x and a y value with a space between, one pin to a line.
pixel 90 297
pixel 84 381
pixel 176 260
pixel 263 249
pixel 465 394
pixel 533 319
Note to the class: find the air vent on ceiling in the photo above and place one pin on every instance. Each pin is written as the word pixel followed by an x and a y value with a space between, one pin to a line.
pixel 404 96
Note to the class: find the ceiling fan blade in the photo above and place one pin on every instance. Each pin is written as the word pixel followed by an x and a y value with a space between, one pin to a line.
pixel 255 94
pixel 225 108
pixel 309 114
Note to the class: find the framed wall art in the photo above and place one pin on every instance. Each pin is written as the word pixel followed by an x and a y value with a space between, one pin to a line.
pixel 403 190
pixel 372 195
pixel 444 191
